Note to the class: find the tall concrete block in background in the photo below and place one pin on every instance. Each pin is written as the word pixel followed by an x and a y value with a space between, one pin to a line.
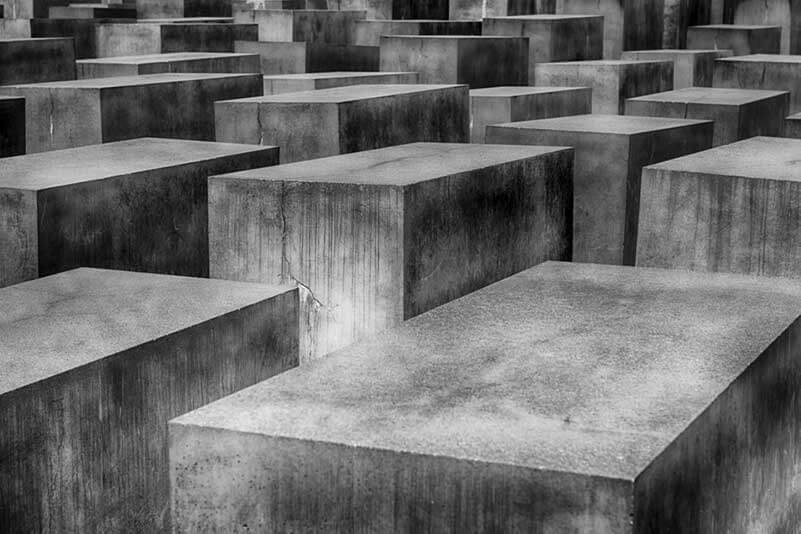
pixel 29 9
pixel 297 58
pixel 478 9
pixel 12 126
pixel 691 68
pixel 740 39
pixel 154 9
pixel 36 60
pixel 398 9
pixel 293 83
pixel 784 13
pixel 82 31
pixel 164 37
pixel 314 26
pixel 792 126
pixel 369 32
pixel 215 62
pixel 762 71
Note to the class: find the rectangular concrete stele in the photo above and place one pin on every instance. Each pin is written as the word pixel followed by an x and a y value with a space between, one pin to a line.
pixel 215 62
pixel 138 205
pixel 83 31
pixel 734 208
pixel 156 38
pixel 327 122
pixel 93 11
pixel 611 151
pixel 740 39
pixel 150 9
pixel 762 71
pixel 15 28
pixel 95 363
pixel 612 82
pixel 479 61
pixel 566 398
pixel 478 9
pixel 398 9
pixel 496 105
pixel 29 9
pixel 86 112
pixel 738 113
pixel 785 13
pixel 291 83
pixel 691 68
pixel 377 237
pixel 369 32
pixel 316 26
pixel 298 58
pixel 12 126
pixel 36 60
pixel 792 126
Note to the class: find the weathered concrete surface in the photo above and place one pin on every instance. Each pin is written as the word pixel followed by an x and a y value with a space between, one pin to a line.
pixel 36 60
pixel 678 16
pixel 478 9
pixel 369 32
pixel 95 363
pixel 479 61
pixel 93 11
pixel 553 37
pixel 738 113
pixel 731 209
pixel 138 205
pixel 691 68
pixel 15 28
pixel 163 37
pixel 298 58
pixel 740 39
pixel 82 31
pixel 327 122
pixel 380 236
pixel 611 151
pixel 86 112
pixel 221 62
pixel 29 9
pixel 12 126
pixel 292 83
pixel 314 26
pixel 762 71
pixel 784 13
pixel 151 9
pixel 567 398
pixel 497 105
pixel 612 82
pixel 792 126
pixel 397 9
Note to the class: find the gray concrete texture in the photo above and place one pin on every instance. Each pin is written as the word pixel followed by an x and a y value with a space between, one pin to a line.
pixel 784 13
pixel 36 60
pixel 740 39
pixel 369 32
pixel 762 71
pixel 299 58
pixel 398 9
pixel 792 126
pixel 191 62
pixel 313 26
pixel 691 68
pixel 12 126
pixel 29 9
pixel 153 9
pixel 82 31
pixel 134 39
pixel 478 9
pixel 292 83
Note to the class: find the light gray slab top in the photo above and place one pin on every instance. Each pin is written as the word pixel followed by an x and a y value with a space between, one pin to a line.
pixel 597 123
pixel 765 58
pixel 31 39
pixel 675 52
pixel 334 74
pixel 126 81
pixel 711 95
pixel 338 95
pixel 546 17
pixel 737 26
pixel 515 90
pixel 163 58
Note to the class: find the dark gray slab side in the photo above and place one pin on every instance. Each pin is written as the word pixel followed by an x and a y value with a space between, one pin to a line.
pixel 12 126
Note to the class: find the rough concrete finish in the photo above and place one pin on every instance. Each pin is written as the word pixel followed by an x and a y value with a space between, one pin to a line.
pixel 327 122
pixel 731 209
pixel 290 83
pixel 138 205
pixel 479 61
pixel 83 31
pixel 784 13
pixel 611 151
pixel 231 63
pixel 792 126
pixel 566 398
pixel 738 113
pixel 29 9
pixel 298 58
pixel 740 39
pixel 691 68
pixel 95 363
pixel 478 9
pixel 397 9
pixel 314 26
pixel 157 38
pixel 150 9
pixel 15 28
pixel 87 112
pixel 12 126
pixel 612 82
pixel 762 71
pixel 497 105
pixel 92 11
pixel 377 237
pixel 369 32
pixel 36 60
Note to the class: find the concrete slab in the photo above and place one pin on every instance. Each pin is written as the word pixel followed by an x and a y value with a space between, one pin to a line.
pixel 369 32
pixel 784 13
pixel 792 126
pixel 216 62
pixel 29 9
pixel 148 9
pixel 730 209
pixel 397 9
pixel 738 113
pixel 36 60
pixel 478 9
pixel 94 364
pixel 327 122
pixel 309 25
pixel 93 11
pixel 86 112
pixel 12 126
pixel 566 398
pixel 739 38
pixel 762 71
pixel 298 58
pixel 157 38
pixel 83 31
pixel 612 82
pixel 377 237
pixel 479 61
pixel 497 105
pixel 292 83
pixel 691 68
pixel 611 151
pixel 15 28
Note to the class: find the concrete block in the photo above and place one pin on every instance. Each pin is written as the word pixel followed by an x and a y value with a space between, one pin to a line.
pixel 377 237
pixel 297 58
pixel 15 28
pixel 95 363
pixel 151 9
pixel 369 32
pixel 738 113
pixel 567 398
pixel 498 105
pixel 691 68
pixel 292 83
pixel 612 82
pixel 215 62
pixel 479 61
pixel 478 9
pixel 163 37
pixel 611 151
pixel 87 112
pixel 762 71
pixel 82 31
pixel 678 16
pixel 93 11
pixel 734 208
pixel 36 60
pixel 784 13
pixel 792 126
pixel 327 122
pixel 138 205
pixel 12 126
pixel 740 39
pixel 29 9
pixel 396 9
pixel 314 26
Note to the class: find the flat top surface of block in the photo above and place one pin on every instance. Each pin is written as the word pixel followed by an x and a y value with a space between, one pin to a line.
pixel 596 123
pixel 453 37
pixel 547 17
pixel 676 51
pixel 571 367
pixel 60 322
pixel 773 158
pixel 765 58
pixel 34 39
pixel 607 62
pixel 332 74
pixel 737 26
pixel 163 58
pixel 189 20
pixel 795 117
pixel 128 81
pixel 336 95
pixel 417 21
pixel 711 95
pixel 56 168
pixel 12 97
pixel 516 90
pixel 396 165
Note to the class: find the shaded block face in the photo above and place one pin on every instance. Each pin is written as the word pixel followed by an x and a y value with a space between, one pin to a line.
pixel 153 9
pixel 731 209
pixel 762 71
pixel 738 113
pixel 783 13
pixel 478 9
pixel 612 82
pixel 138 205
pixel 341 120
pixel 15 28
pixel 175 62
pixel 369 32
pixel 299 58
pixel 29 9
pixel 36 60
pixel 792 126
pixel 496 105
pixel 513 418
pixel 380 236
pixel 315 26
pixel 94 364
pixel 89 11
pixel 87 112
pixel 740 39
pixel 290 83
pixel 398 9
pixel 479 61
pixel 691 68
pixel 12 126
pixel 82 31
pixel 156 38
pixel 610 153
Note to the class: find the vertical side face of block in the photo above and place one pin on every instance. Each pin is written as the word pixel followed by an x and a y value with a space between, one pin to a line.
pixel 643 24
pixel 435 59
pixel 576 101
pixel 100 70
pixel 613 12
pixel 128 39
pixel 275 25
pixel 237 122
pixel 301 130
pixel 764 117
pixel 726 117
pixel 792 127
pixel 277 57
pixel 160 9
pixel 205 37
pixel 643 79
pixel 12 126
pixel 40 60
pixel 769 12
pixel 761 75
pixel 490 62
pixel 485 111
pixel 18 236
